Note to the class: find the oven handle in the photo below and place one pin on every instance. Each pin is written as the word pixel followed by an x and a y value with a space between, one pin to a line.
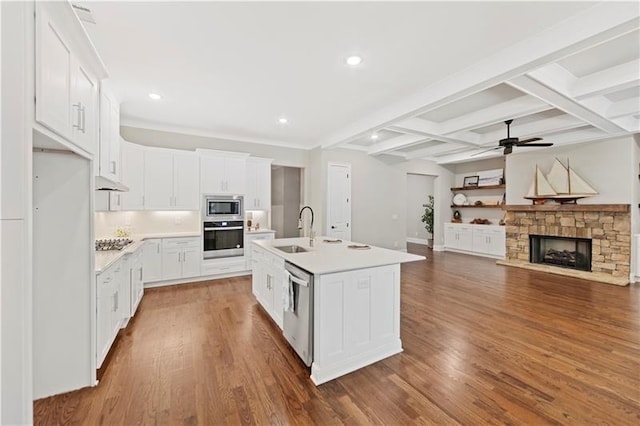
pixel 231 228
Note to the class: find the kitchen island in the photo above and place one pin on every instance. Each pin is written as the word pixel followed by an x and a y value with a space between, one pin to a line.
pixel 356 299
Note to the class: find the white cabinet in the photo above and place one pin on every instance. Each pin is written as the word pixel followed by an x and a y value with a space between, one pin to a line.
pixel 170 180
pixel 222 174
pixel 180 258
pixel 109 309
pixel 258 194
pixel 268 279
pixel 489 240
pixel 132 176
pixel 248 246
pixel 484 240
pixel 458 236
pixel 136 287
pixel 66 91
pixel 109 136
pixel 152 260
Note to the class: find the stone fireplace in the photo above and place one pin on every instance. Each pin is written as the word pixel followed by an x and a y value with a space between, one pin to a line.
pixel 607 227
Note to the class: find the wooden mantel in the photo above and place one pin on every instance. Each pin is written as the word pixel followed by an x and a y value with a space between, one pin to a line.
pixel 614 208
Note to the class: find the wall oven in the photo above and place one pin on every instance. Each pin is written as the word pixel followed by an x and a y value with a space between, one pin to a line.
pixel 223 239
pixel 223 207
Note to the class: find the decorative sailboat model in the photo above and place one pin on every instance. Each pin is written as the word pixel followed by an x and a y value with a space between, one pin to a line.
pixel 561 184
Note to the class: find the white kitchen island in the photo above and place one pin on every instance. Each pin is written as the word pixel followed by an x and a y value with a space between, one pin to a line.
pixel 356 299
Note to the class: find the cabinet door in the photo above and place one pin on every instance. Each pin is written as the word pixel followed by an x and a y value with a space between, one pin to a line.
pixel 109 137
pixel 103 315
pixel 258 188
pixel 496 242
pixel 277 289
pixel 171 263
pixel 53 76
pixel 117 304
pixel 132 176
pixel 84 108
pixel 235 175
pixel 158 180
pixel 185 182
pixel 212 174
pixel 191 260
pixel 152 260
pixel 450 236
pixel 465 238
pixel 480 240
pixel 115 201
pixel 256 278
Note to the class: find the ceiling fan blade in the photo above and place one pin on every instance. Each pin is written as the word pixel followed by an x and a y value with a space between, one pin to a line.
pixel 537 144
pixel 528 140
pixel 486 150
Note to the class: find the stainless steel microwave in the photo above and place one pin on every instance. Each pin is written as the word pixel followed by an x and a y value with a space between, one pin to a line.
pixel 223 207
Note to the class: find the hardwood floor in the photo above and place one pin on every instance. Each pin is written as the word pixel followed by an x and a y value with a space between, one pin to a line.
pixel 482 344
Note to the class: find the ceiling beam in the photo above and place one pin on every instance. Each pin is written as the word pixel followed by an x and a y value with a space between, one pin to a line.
pixel 538 85
pixel 602 22
pixel 625 108
pixel 518 107
pixel 433 150
pixel 393 144
pixel 608 81
pixel 426 128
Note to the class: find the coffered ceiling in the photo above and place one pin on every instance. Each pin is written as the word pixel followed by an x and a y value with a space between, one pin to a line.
pixel 436 82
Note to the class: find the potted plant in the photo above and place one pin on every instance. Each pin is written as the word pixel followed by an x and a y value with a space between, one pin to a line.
pixel 427 218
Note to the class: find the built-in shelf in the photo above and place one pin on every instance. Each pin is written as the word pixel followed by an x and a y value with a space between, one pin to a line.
pixel 473 188
pixel 484 206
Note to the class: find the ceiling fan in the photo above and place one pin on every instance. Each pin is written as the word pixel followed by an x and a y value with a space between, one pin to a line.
pixel 508 143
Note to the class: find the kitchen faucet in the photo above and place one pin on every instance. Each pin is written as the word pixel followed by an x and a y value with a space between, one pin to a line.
pixel 311 236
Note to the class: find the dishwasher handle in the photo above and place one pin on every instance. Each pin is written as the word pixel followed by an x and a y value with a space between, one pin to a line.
pixel 299 281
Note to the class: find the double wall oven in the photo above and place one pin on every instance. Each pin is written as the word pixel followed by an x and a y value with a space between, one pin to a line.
pixel 223 226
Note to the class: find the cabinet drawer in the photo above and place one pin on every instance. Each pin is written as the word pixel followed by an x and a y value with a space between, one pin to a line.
pixel 178 243
pixel 223 266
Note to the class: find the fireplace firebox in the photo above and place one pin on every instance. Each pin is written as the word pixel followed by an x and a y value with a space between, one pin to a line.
pixel 565 252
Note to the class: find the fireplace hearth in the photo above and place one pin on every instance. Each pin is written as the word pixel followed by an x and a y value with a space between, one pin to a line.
pixel 565 252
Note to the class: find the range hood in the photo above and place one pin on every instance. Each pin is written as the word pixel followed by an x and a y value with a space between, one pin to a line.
pixel 104 184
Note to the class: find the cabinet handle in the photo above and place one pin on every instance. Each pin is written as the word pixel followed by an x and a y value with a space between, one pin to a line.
pixel 79 106
pixel 83 129
pixel 179 257
pixel 140 275
pixel 143 200
pixel 158 246
pixel 113 166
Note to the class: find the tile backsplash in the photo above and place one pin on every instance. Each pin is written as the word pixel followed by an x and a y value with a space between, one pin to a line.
pixel 107 224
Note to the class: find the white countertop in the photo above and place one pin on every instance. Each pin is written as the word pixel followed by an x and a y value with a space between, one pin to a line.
pixel 259 231
pixel 104 259
pixel 326 258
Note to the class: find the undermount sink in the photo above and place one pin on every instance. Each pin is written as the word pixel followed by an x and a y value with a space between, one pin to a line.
pixel 291 249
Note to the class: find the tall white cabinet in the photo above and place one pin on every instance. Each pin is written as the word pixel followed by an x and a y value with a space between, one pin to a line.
pixel 171 180
pixel 258 194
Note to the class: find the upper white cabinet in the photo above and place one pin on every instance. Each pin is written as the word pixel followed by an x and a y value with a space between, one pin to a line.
pixel 132 176
pixel 258 194
pixel 109 136
pixel 66 87
pixel 170 180
pixel 222 173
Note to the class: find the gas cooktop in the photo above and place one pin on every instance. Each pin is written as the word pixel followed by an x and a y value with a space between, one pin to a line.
pixel 112 244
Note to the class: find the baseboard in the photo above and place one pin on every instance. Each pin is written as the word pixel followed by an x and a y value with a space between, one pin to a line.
pixel 192 280
pixel 417 241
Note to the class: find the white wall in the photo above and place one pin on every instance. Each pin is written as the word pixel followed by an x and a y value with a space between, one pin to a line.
pixel 281 156
pixel 146 222
pixel 609 166
pixel 419 187
pixel 286 199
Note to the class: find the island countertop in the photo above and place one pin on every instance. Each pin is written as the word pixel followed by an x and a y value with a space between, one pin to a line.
pixel 329 257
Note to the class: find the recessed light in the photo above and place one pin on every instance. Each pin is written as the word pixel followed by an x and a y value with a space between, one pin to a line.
pixel 354 60
pixel 283 120
pixel 374 137
pixel 155 96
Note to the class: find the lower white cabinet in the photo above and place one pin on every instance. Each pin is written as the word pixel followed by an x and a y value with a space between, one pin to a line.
pixel 135 268
pixel 152 260
pixel 108 306
pixel 268 278
pixel 180 258
pixel 484 240
pixel 248 238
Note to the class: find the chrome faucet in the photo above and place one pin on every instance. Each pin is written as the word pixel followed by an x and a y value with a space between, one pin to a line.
pixel 311 236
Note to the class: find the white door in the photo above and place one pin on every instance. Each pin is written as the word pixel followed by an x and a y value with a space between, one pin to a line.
pixel 339 201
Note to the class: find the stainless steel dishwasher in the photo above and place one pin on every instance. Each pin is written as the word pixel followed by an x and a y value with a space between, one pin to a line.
pixel 298 321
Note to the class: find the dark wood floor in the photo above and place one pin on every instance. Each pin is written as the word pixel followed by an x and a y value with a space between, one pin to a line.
pixel 482 344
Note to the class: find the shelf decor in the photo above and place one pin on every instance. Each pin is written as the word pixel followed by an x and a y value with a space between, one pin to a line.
pixel 471 181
